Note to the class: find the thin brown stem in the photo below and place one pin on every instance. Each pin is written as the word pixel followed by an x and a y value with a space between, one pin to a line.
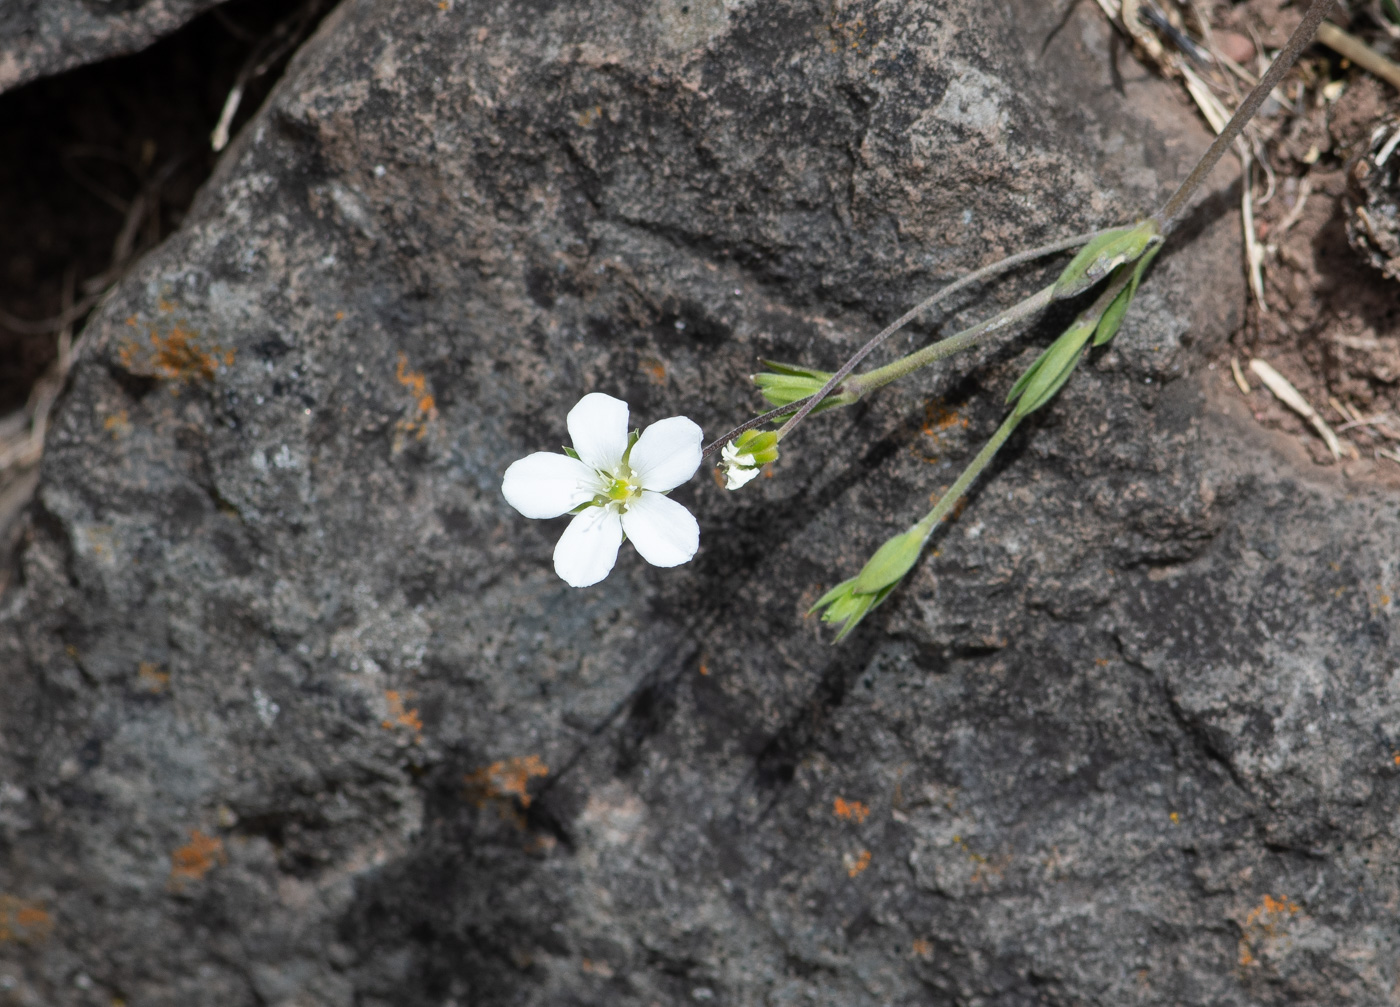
pixel 757 421
pixel 1297 42
pixel 928 302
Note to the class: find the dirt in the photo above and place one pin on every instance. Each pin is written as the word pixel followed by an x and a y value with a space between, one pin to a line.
pixel 83 145
pixel 1330 321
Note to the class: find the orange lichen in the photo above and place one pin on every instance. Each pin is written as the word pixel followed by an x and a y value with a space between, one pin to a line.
pixel 424 405
pixel 196 858
pixel 400 715
pixel 116 424
pixel 340 316
pixel 922 948
pixel 1176 819
pixel 856 864
pixel 505 779
pixel 1102 662
pixel 23 921
pixel 1266 921
pixel 151 678
pixel 655 370
pixel 938 418
pixel 704 668
pixel 851 811
pixel 179 355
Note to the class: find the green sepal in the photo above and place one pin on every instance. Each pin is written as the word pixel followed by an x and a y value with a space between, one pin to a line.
pixel 572 453
pixel 891 561
pixel 762 445
pixel 831 596
pixel 784 384
pixel 631 440
pixel 1113 317
pixel 1104 254
pixel 848 607
pixel 798 372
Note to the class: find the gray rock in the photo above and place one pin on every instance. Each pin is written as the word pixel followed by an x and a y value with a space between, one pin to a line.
pixel 297 713
pixel 41 37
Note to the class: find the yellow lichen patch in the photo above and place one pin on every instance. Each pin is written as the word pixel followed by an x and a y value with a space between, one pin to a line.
pixel 196 858
pixel 857 863
pixel 400 715
pixel 1176 819
pixel 150 678
pixel 424 405
pixel 23 921
pixel 1266 925
pixel 589 116
pixel 503 780
pixel 850 811
pixel 179 355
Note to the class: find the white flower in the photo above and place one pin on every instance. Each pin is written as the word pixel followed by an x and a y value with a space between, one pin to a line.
pixel 616 486
pixel 738 468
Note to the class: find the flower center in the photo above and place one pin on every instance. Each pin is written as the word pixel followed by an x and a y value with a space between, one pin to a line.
pixel 623 487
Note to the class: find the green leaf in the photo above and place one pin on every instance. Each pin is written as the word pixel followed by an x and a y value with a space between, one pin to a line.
pixel 1039 397
pixel 1113 317
pixel 891 562
pixel 571 453
pixel 1025 379
pixel 1104 254
pixel 1051 367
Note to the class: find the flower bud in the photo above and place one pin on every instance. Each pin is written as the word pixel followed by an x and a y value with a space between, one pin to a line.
pixel 741 458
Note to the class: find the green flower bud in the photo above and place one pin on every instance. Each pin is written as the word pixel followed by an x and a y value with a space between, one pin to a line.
pixel 741 458
pixel 846 607
pixel 783 384
pixel 1103 255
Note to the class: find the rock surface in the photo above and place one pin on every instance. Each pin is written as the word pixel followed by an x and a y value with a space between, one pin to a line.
pixel 40 37
pixel 297 712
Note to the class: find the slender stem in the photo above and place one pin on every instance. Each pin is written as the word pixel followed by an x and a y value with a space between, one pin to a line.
pixel 757 421
pixel 1296 43
pixel 870 380
pixel 975 276
pixel 955 492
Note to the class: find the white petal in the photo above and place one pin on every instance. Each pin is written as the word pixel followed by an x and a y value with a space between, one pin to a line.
pixel 545 484
pixel 737 476
pixel 667 454
pixel 588 548
pixel 664 532
pixel 598 426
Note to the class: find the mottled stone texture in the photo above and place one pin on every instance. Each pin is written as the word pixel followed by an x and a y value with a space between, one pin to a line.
pixel 40 37
pixel 296 712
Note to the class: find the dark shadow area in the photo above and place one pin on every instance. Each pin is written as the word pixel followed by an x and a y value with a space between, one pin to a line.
pixel 101 163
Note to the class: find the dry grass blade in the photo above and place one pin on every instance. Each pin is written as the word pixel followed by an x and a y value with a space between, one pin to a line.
pixel 1285 392
pixel 1240 382
pixel 1359 53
